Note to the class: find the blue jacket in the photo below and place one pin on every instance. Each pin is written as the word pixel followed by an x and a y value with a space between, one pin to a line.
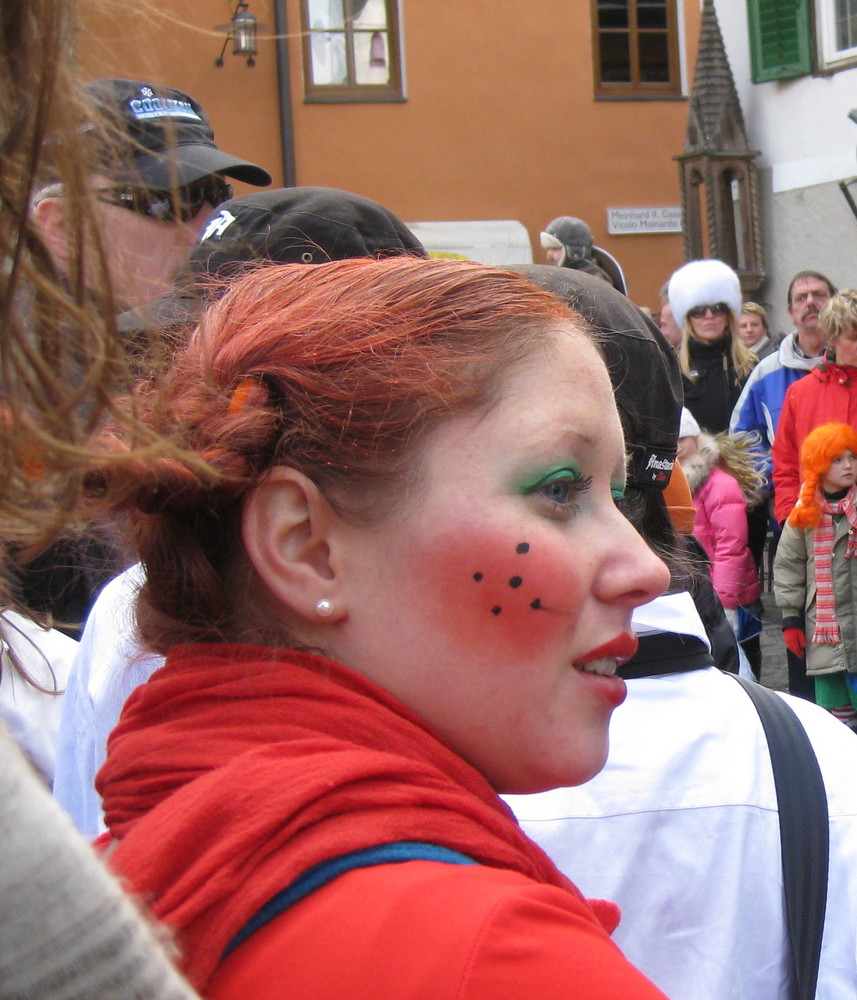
pixel 760 404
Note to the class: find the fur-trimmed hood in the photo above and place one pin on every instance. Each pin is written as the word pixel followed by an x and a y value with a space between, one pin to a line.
pixel 698 467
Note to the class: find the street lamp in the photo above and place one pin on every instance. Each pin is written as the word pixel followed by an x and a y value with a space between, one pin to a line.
pixel 242 30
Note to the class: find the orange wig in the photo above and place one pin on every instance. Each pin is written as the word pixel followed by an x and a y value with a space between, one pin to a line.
pixel 817 452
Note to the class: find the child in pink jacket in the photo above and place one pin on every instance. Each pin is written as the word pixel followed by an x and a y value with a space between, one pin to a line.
pixel 721 490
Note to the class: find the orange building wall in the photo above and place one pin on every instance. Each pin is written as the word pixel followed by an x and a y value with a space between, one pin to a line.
pixel 500 121
pixel 177 47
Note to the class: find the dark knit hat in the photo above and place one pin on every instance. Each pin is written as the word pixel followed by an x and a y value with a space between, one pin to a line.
pixel 164 137
pixel 570 234
pixel 302 225
pixel 643 368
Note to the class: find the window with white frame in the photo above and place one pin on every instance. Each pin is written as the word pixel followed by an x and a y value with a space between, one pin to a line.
pixel 837 32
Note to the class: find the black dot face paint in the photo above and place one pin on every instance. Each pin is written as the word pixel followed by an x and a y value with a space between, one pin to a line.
pixel 522 548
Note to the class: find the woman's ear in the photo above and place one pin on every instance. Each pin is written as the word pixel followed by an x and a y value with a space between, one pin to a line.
pixel 50 217
pixel 290 535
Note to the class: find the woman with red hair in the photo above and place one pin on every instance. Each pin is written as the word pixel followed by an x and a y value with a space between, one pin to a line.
pixel 815 572
pixel 388 572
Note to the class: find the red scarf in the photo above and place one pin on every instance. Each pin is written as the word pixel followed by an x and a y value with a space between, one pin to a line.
pixel 826 625
pixel 237 768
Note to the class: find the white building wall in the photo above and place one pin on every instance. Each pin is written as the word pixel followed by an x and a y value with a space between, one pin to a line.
pixel 807 145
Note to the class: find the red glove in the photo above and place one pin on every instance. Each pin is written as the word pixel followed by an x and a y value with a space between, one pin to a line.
pixel 795 640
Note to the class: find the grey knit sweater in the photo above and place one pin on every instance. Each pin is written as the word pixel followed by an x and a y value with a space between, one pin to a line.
pixel 67 931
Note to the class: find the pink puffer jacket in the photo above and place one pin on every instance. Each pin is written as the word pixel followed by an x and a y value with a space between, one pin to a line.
pixel 720 526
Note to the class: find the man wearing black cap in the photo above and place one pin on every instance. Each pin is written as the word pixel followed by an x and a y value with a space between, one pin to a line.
pixel 158 178
pixel 301 225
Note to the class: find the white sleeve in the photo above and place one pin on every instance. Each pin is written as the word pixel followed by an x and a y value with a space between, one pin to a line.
pixel 108 667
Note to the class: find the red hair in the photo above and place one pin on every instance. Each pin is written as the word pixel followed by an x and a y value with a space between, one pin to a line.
pixel 337 370
pixel 818 450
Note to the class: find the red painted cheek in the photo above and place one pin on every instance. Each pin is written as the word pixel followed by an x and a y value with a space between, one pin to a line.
pixel 514 591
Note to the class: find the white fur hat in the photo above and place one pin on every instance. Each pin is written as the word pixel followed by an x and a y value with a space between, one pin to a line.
pixel 703 283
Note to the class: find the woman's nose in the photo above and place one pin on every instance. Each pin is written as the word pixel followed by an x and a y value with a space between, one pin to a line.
pixel 631 573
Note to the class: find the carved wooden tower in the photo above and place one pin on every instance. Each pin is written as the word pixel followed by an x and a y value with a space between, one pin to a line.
pixel 719 187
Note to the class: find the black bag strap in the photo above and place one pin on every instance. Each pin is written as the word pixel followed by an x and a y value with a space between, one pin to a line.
pixel 804 831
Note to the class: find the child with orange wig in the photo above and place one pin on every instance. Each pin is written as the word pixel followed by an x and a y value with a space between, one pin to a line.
pixel 815 572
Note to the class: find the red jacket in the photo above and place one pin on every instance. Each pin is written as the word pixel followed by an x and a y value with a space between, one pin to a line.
pixel 828 393
pixel 424 929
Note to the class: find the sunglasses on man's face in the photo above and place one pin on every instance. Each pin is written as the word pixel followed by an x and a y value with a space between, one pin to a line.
pixel 180 205
pixel 718 309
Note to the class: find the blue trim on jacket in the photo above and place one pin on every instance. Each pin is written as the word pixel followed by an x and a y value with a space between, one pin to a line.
pixel 326 871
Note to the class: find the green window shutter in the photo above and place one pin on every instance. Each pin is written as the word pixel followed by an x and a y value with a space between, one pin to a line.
pixel 780 39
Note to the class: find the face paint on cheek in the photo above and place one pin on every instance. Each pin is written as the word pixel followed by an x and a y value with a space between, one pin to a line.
pixel 501 590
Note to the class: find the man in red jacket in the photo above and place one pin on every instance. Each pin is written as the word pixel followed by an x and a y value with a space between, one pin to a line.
pixel 827 393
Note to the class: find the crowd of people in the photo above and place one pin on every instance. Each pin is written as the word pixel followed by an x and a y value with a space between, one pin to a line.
pixel 387 540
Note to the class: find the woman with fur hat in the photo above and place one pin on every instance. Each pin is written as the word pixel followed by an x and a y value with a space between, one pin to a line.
pixel 705 299
pixel 815 570
pixel 723 478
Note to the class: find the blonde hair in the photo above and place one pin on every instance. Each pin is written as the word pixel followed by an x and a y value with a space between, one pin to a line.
pixel 743 359
pixel 839 315
pixel 740 457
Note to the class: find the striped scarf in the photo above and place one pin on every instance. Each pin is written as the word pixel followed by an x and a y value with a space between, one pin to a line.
pixel 826 626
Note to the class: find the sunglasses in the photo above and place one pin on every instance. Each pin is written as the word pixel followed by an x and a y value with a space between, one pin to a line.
pixel 718 309
pixel 180 205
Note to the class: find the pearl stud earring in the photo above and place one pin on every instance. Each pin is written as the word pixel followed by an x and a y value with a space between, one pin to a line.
pixel 324 608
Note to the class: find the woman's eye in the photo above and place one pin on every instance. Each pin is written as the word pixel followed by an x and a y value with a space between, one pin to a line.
pixel 560 489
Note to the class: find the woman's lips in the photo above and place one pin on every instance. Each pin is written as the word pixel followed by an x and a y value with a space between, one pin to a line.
pixel 607 657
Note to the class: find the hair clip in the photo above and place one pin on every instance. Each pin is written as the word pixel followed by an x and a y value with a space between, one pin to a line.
pixel 240 395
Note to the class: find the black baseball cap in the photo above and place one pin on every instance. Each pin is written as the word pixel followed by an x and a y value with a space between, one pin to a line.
pixel 301 225
pixel 163 137
pixel 643 368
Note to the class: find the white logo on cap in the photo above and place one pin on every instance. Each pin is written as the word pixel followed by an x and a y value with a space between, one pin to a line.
pixel 162 107
pixel 147 92
pixel 218 225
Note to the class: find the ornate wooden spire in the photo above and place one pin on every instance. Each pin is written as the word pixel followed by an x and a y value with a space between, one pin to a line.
pixel 715 122
pixel 719 189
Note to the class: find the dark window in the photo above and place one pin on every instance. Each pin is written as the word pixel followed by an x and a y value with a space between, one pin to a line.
pixel 846 24
pixel 780 39
pixel 636 48
pixel 351 50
